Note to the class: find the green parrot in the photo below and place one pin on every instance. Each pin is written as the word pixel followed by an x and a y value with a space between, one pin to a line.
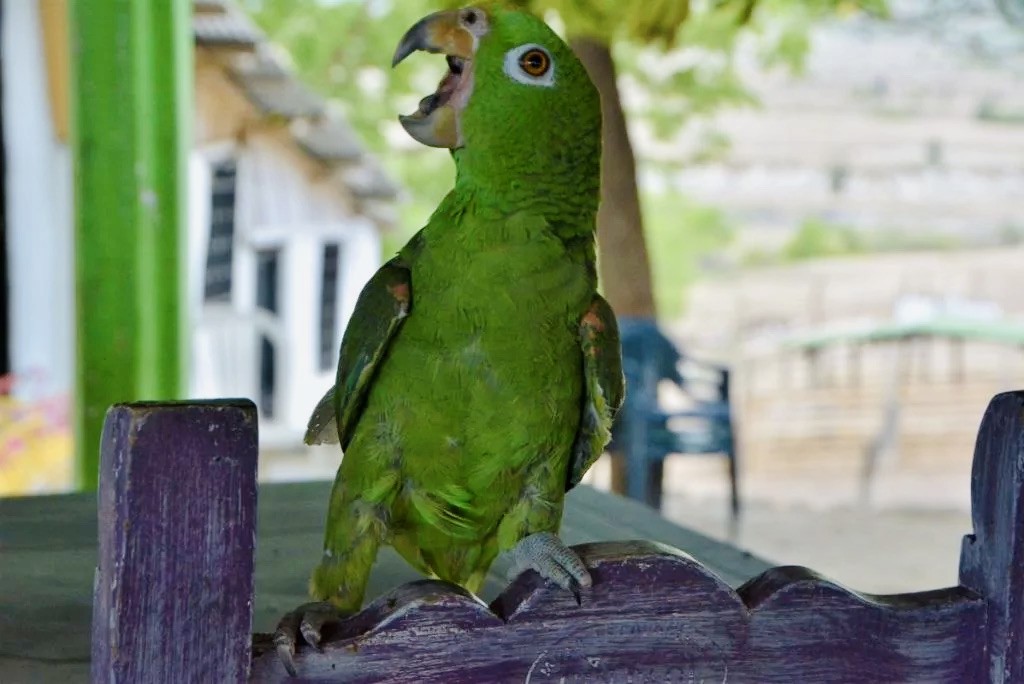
pixel 480 372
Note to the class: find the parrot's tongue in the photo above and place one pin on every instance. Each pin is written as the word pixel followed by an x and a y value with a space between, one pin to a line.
pixel 444 91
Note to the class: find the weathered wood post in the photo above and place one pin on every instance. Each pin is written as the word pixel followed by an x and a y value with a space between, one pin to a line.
pixel 992 559
pixel 177 523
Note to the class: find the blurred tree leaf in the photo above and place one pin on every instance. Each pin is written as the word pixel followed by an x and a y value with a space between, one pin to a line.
pixel 817 238
pixel 343 51
pixel 676 60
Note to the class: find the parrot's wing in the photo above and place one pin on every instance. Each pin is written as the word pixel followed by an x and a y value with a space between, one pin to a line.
pixel 382 306
pixel 603 387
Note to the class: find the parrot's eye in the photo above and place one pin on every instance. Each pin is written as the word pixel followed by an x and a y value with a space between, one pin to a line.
pixel 535 63
pixel 530 64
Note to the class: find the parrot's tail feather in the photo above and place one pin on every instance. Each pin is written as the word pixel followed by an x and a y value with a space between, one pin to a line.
pixel 443 512
pixel 322 427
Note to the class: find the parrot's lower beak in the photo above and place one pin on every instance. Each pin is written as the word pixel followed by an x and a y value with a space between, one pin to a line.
pixel 455 34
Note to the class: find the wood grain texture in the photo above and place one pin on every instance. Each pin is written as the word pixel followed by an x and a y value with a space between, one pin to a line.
pixel 992 559
pixel 173 594
pixel 48 559
pixel 177 521
pixel 653 614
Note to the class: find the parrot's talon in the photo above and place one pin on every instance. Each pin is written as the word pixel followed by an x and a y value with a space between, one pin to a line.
pixel 305 622
pixel 311 635
pixel 285 654
pixel 553 560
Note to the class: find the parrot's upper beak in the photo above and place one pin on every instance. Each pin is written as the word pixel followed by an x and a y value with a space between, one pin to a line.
pixel 455 34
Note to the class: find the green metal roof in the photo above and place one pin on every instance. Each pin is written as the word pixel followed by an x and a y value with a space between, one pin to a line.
pixel 1010 332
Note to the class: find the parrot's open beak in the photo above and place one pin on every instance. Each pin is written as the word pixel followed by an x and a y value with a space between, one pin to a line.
pixel 455 34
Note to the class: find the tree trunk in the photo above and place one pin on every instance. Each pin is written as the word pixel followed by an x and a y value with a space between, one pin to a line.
pixel 625 271
pixel 622 249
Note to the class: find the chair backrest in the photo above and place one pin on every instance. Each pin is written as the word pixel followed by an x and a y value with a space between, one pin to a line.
pixel 648 356
pixel 174 590
pixel 655 614
pixel 226 351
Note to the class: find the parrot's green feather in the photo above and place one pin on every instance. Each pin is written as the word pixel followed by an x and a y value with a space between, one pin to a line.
pixel 381 490
pixel 382 306
pixel 466 416
pixel 447 510
pixel 604 387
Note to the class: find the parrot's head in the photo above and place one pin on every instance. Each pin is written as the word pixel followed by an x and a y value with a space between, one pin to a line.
pixel 516 106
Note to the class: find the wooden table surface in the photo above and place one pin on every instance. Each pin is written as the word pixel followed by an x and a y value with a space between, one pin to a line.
pixel 48 556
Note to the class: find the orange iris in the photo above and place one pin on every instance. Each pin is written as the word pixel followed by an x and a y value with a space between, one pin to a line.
pixel 535 62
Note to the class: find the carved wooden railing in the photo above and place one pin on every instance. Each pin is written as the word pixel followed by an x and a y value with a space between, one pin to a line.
pixel 174 590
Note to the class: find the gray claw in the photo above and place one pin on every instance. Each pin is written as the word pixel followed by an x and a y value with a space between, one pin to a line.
pixel 306 621
pixel 285 653
pixel 285 647
pixel 553 560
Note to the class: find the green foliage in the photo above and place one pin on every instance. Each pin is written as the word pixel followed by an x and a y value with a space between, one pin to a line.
pixel 611 20
pixel 343 50
pixel 819 239
pixel 701 77
pixel 1011 234
pixel 990 110
pixel 902 241
pixel 682 236
pixel 816 238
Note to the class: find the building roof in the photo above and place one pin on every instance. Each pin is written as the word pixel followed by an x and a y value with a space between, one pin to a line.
pixel 214 25
pixel 276 92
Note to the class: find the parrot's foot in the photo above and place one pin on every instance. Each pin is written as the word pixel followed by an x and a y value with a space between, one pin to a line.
pixel 303 624
pixel 553 560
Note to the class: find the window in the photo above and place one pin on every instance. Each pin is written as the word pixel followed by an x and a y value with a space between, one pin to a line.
pixel 267 287
pixel 267 279
pixel 222 234
pixel 839 176
pixel 329 306
pixel 268 376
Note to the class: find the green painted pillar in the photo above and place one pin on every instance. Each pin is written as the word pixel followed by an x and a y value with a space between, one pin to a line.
pixel 131 102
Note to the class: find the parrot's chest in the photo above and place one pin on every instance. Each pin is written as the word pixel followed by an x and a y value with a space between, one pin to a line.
pixel 515 306
pixel 493 346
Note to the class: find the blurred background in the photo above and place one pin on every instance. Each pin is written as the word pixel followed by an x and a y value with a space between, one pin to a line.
pixel 812 230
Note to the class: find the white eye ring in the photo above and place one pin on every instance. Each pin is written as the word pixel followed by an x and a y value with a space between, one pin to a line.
pixel 515 71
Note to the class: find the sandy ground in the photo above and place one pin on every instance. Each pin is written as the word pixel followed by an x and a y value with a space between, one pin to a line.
pixel 875 551
pixel 891 544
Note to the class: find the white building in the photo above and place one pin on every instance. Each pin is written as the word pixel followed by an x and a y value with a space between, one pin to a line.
pixel 285 216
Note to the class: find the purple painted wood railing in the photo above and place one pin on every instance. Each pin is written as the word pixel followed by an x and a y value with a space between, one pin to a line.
pixel 653 614
pixel 177 521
